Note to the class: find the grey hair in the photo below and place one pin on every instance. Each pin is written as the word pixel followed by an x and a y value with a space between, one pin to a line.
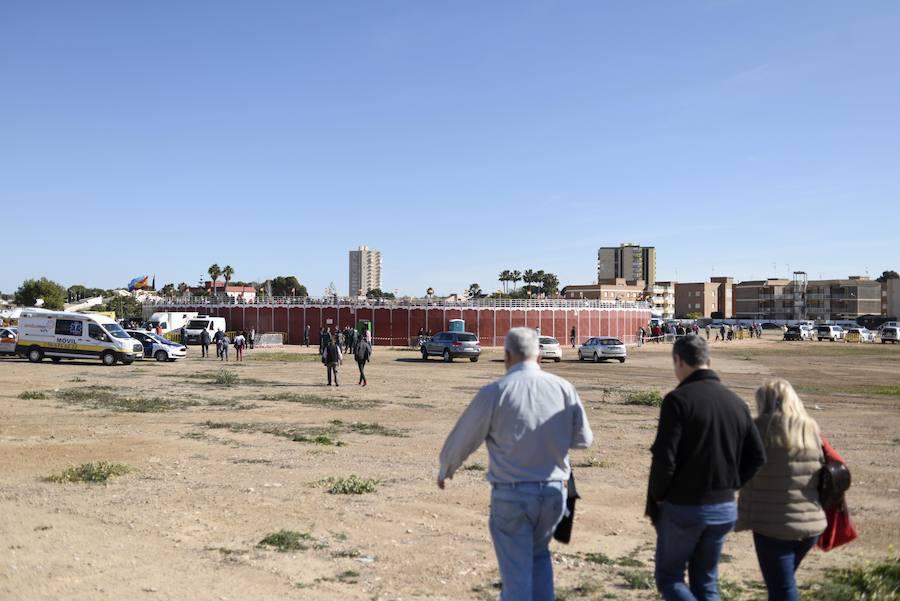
pixel 692 349
pixel 522 342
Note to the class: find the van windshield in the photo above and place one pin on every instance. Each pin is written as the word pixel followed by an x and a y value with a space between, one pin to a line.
pixel 116 330
pixel 198 324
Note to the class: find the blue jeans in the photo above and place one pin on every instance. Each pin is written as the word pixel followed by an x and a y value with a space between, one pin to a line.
pixel 523 518
pixel 691 535
pixel 778 560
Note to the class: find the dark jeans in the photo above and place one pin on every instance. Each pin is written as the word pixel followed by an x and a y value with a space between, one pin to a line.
pixel 204 350
pixel 333 369
pixel 778 560
pixel 362 372
pixel 684 536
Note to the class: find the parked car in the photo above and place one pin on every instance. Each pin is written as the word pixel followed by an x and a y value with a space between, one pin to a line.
pixel 8 339
pixel 549 349
pixel 451 345
pixel 158 347
pixel 832 333
pixel 195 327
pixel 796 333
pixel 865 334
pixel 602 348
pixel 768 325
pixel 890 334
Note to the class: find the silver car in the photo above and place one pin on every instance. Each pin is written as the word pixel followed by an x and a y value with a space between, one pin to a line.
pixel 602 348
pixel 549 349
pixel 451 345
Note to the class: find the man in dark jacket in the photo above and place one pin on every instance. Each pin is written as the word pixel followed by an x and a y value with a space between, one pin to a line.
pixel 706 448
pixel 363 354
pixel 217 338
pixel 332 358
pixel 204 343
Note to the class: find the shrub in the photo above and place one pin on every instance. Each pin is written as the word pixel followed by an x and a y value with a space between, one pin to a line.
pixel 878 581
pixel 286 540
pixel 353 485
pixel 91 472
pixel 645 398
pixel 32 395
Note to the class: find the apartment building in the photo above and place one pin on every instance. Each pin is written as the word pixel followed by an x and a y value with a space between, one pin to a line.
pixel 712 299
pixel 662 299
pixel 780 298
pixel 365 271
pixel 614 289
pixel 629 261
pixel 891 292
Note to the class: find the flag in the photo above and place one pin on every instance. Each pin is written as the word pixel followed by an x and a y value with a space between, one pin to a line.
pixel 139 283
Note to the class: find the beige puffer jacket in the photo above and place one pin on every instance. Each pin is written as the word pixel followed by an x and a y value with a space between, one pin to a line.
pixel 782 499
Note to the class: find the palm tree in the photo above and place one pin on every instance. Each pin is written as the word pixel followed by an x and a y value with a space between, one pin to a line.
pixel 551 284
pixel 227 273
pixel 505 277
pixel 214 272
pixel 539 280
pixel 528 278
pixel 515 276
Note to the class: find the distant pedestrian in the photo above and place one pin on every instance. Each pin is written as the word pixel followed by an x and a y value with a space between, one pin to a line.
pixel 223 356
pixel 159 330
pixel 306 335
pixel 641 336
pixel 183 336
pixel 332 358
pixel 204 343
pixel 706 448
pixel 573 337
pixel 707 331
pixel 252 338
pixel 217 338
pixel 722 332
pixel 363 355
pixel 239 341
pixel 529 420
pixel 367 334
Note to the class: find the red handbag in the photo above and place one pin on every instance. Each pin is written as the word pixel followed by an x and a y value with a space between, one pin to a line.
pixel 839 530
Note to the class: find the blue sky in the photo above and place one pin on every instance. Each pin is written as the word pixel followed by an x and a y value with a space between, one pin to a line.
pixel 739 138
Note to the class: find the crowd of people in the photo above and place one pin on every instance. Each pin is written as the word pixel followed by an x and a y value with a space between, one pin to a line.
pixel 333 345
pixel 726 332
pixel 713 469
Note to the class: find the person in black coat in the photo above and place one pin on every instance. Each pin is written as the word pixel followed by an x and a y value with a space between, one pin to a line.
pixel 363 354
pixel 204 343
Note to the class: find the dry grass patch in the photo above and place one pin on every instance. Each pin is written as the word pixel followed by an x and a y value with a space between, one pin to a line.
pixel 100 471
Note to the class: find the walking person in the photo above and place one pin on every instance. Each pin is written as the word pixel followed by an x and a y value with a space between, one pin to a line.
pixel 306 335
pixel 706 448
pixel 573 337
pixel 224 342
pixel 239 341
pixel 332 358
pixel 183 336
pixel 204 343
pixel 781 503
pixel 252 338
pixel 707 331
pixel 363 354
pixel 529 420
pixel 722 332
pixel 217 338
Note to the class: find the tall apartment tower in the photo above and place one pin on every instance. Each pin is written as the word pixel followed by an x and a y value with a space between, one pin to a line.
pixel 630 261
pixel 365 271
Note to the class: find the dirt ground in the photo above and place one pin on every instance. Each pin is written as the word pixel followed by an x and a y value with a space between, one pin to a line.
pixel 217 468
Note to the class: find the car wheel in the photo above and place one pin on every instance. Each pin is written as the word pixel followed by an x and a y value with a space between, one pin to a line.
pixel 557 359
pixel 161 356
pixel 56 359
pixel 447 357
pixel 108 358
pixel 424 355
pixel 127 361
pixel 35 355
pixel 580 356
pixel 473 359
pixel 622 360
pixel 596 358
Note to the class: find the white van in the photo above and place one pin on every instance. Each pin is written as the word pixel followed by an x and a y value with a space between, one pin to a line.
pixel 59 335
pixel 195 327
pixel 170 321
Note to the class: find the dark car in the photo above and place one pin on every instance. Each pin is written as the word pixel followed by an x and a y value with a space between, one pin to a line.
pixel 793 333
pixel 451 345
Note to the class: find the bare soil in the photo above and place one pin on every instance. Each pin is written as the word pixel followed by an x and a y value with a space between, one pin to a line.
pixel 218 467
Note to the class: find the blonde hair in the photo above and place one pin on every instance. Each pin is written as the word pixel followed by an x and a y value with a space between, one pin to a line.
pixel 789 425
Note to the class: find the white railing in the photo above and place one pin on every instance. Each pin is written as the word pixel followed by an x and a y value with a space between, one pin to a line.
pixel 500 303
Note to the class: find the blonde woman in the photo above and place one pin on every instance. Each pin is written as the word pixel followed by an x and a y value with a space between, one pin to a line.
pixel 781 503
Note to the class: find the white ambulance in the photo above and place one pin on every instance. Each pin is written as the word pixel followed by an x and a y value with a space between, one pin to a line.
pixel 58 336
